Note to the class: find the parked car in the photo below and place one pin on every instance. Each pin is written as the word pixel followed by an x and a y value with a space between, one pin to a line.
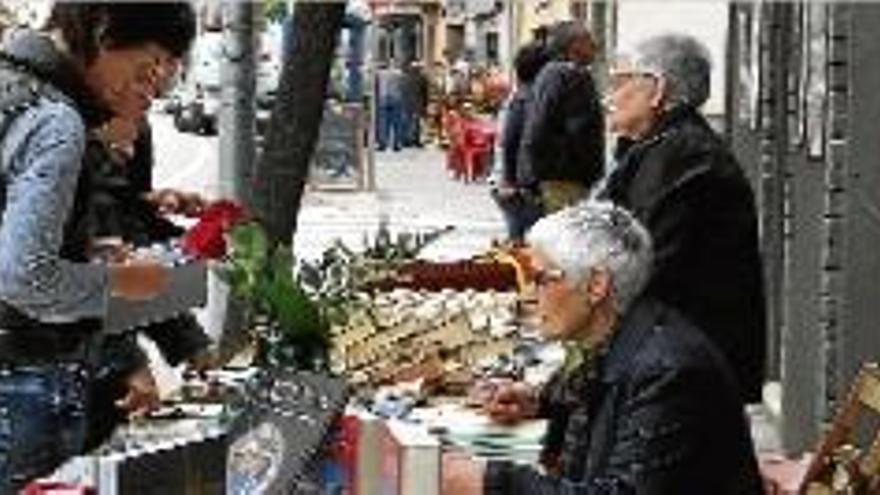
pixel 198 111
pixel 199 92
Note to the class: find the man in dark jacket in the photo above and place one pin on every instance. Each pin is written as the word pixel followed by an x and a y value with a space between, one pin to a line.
pixel 677 176
pixel 520 205
pixel 415 102
pixel 563 135
pixel 650 406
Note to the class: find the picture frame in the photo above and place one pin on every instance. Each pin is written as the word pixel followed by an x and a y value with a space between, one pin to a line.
pixel 339 159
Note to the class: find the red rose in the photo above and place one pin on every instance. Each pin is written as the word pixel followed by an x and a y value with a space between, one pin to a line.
pixel 207 238
pixel 227 212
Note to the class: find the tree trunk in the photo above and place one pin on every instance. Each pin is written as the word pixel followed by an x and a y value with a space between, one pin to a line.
pixel 296 118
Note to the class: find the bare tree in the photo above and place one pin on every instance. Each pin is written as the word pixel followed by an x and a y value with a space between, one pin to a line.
pixel 283 169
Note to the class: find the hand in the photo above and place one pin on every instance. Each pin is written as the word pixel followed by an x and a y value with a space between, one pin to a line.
pixel 171 201
pixel 506 191
pixel 109 249
pixel 137 279
pixel 511 403
pixel 203 361
pixel 461 475
pixel 142 396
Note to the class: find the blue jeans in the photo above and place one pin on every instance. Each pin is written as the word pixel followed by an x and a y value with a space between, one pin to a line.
pixel 390 123
pixel 42 420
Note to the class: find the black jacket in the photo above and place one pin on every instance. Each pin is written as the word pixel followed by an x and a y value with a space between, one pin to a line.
pixel 684 184
pixel 659 415
pixel 511 136
pixel 563 134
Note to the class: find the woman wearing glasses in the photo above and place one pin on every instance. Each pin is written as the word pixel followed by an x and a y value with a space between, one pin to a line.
pixel 650 406
pixel 92 62
pixel 679 179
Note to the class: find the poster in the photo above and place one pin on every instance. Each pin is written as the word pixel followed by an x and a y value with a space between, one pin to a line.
pixel 338 162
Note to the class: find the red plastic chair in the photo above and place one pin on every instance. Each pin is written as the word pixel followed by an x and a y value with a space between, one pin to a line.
pixel 56 488
pixel 478 145
pixel 454 125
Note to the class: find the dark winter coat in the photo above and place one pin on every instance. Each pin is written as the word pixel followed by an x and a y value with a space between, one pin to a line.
pixel 563 134
pixel 659 414
pixel 684 184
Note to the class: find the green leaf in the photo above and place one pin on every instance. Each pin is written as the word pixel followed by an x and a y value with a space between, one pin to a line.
pixel 290 305
pixel 249 245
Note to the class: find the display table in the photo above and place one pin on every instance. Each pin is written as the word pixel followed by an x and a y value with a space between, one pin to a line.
pixel 264 432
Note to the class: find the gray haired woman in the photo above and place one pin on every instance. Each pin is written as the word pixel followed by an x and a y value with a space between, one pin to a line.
pixel 680 179
pixel 644 403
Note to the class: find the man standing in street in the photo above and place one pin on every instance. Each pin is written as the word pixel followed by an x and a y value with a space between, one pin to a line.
pixel 390 118
pixel 563 136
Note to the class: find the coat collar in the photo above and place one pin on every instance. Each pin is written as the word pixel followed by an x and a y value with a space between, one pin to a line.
pixel 667 121
pixel 636 326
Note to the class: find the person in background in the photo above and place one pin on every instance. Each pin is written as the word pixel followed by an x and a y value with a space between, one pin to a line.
pixel 124 212
pixel 389 96
pixel 91 61
pixel 654 411
pixel 681 180
pixel 519 202
pixel 563 135
pixel 415 102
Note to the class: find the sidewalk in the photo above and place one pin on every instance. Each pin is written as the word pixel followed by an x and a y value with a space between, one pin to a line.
pixel 414 193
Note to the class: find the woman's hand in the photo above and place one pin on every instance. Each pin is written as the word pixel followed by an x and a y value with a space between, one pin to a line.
pixel 143 394
pixel 511 403
pixel 174 202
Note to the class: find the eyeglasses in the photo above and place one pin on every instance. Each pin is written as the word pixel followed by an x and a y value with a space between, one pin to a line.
pixel 617 79
pixel 544 277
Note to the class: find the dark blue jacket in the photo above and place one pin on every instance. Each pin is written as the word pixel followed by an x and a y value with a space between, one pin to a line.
pixel 659 414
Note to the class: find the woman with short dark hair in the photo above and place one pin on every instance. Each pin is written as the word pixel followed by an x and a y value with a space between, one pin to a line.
pixel 93 61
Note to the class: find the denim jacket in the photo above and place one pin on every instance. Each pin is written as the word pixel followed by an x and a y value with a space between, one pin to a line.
pixel 41 154
pixel 659 415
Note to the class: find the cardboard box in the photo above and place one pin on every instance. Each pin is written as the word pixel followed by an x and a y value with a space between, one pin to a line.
pixel 410 460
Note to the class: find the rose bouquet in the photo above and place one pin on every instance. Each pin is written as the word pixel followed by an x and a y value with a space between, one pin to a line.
pixel 289 325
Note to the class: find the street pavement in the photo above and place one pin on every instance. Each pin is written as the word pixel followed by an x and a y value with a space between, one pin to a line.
pixel 414 193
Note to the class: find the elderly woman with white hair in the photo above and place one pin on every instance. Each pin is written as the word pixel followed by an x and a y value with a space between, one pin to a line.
pixel 653 409
pixel 680 179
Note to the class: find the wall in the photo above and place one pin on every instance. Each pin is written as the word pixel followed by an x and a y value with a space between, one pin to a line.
pixel 638 19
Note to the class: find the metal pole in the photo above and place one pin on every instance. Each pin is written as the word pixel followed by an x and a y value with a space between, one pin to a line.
pixel 237 112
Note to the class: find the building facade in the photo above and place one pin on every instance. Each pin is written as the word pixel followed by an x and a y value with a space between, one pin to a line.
pixel 802 116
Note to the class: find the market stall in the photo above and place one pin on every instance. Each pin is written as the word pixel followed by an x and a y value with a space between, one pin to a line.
pixel 416 338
